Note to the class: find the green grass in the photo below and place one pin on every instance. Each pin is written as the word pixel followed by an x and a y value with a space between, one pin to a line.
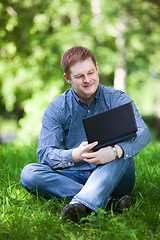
pixel 24 216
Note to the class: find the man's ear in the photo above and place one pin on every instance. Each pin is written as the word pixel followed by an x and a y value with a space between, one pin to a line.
pixel 97 67
pixel 67 78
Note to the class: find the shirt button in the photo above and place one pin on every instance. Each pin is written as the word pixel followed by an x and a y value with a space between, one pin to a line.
pixel 126 155
pixel 69 163
pixel 89 110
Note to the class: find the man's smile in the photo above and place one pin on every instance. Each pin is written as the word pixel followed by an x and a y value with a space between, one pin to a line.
pixel 88 85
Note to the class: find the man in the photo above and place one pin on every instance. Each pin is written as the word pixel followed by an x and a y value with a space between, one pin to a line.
pixel 68 166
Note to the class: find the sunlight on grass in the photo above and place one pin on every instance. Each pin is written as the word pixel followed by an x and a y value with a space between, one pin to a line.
pixel 24 216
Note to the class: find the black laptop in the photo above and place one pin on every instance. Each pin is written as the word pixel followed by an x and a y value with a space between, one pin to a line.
pixel 111 127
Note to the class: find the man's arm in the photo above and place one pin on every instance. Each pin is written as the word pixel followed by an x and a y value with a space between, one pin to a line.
pixel 50 149
pixel 127 149
pixel 134 145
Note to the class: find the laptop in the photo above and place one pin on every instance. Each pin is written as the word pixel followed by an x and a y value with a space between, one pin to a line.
pixel 112 126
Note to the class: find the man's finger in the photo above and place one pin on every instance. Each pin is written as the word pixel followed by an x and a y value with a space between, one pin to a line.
pixel 91 145
pixel 84 143
pixel 88 155
pixel 92 160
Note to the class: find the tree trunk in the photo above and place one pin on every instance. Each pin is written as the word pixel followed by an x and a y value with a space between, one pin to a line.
pixel 158 117
pixel 120 71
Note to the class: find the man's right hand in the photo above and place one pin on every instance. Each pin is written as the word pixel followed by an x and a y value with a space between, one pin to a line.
pixel 84 147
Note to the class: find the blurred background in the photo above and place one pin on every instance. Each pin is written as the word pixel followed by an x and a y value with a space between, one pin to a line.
pixel 124 36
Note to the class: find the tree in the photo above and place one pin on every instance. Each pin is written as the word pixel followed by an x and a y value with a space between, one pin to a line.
pixel 135 26
pixel 35 34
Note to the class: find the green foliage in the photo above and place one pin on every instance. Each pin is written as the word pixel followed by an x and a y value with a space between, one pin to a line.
pixel 35 34
pixel 24 216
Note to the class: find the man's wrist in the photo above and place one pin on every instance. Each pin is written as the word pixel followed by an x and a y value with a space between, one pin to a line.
pixel 75 155
pixel 118 151
pixel 115 152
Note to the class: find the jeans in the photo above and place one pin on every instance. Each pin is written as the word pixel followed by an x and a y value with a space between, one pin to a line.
pixel 91 188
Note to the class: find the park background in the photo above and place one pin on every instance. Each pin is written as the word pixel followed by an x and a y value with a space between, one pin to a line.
pixel 34 34
pixel 124 35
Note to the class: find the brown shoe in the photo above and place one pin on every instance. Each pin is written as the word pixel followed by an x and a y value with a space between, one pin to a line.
pixel 119 205
pixel 75 212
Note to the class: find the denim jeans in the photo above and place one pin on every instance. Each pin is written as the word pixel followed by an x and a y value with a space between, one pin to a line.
pixel 91 188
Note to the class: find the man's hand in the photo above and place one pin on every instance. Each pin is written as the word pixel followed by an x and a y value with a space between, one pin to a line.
pixel 102 156
pixel 84 147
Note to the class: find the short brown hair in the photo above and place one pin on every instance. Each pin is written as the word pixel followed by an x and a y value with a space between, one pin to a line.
pixel 74 55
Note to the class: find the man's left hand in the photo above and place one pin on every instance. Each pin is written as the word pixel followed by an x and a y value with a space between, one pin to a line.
pixel 102 156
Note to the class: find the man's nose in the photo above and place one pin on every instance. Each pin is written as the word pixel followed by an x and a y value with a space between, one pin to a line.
pixel 86 78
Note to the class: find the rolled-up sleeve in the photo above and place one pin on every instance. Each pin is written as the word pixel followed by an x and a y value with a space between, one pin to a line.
pixel 51 149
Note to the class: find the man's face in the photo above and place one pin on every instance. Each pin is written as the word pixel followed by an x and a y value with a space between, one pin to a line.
pixel 84 79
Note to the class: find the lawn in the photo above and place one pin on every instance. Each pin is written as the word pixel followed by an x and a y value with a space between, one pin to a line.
pixel 24 216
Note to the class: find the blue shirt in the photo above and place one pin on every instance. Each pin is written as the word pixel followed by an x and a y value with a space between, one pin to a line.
pixel 62 127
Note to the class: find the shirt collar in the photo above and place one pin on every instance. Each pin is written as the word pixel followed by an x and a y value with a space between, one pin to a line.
pixel 96 97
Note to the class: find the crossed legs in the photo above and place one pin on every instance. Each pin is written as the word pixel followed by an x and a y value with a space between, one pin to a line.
pixel 91 188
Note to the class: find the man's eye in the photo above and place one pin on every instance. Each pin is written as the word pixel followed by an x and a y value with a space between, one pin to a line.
pixel 90 73
pixel 79 76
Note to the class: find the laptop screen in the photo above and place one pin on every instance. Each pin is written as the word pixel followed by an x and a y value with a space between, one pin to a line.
pixel 111 126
